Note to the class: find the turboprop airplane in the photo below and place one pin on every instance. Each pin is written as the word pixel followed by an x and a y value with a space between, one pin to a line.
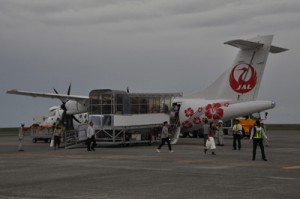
pixel 232 95
pixel 56 112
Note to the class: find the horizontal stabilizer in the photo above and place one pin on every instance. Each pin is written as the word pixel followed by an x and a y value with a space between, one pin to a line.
pixel 244 44
pixel 275 49
pixel 247 45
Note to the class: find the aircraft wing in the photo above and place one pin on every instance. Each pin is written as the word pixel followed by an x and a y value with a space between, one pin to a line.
pixel 62 97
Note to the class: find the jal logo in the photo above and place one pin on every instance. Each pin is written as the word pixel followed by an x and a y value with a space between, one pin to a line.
pixel 243 78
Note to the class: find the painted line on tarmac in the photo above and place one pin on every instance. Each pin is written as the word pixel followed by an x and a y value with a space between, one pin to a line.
pixel 282 178
pixel 291 167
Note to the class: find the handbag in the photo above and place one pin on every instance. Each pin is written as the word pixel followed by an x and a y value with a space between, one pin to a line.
pixel 208 143
pixel 52 143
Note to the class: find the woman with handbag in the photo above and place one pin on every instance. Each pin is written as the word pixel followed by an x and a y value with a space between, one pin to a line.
pixel 210 143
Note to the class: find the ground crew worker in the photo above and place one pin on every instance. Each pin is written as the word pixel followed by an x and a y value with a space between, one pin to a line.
pixel 237 133
pixel 257 135
pixel 22 130
pixel 220 133
pixel 56 123
pixel 57 133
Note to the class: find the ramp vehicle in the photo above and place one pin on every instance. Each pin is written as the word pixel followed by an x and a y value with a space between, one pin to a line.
pixel 248 122
pixel 43 133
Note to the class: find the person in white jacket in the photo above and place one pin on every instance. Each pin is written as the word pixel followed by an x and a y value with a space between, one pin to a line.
pixel 165 137
pixel 21 133
pixel 90 134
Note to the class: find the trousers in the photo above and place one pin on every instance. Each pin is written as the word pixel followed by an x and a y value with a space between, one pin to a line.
pixel 236 138
pixel 261 145
pixel 163 140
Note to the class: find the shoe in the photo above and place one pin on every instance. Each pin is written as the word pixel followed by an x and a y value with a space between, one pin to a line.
pixel 253 159
pixel 93 150
pixel 265 159
pixel 89 150
pixel 213 153
pixel 171 151
pixel 233 149
pixel 205 150
pixel 21 150
pixel 158 150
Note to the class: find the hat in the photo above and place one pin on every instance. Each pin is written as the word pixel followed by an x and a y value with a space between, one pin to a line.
pixel 220 121
pixel 22 123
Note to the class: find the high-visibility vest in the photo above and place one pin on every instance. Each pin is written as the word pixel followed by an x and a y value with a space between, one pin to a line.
pixel 258 133
pixel 237 129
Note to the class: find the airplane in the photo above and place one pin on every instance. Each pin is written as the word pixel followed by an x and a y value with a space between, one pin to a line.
pixel 232 95
pixel 56 112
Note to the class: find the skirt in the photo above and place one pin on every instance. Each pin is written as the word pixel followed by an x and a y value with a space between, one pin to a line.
pixel 210 143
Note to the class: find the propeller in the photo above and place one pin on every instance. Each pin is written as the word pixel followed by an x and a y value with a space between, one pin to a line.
pixel 67 119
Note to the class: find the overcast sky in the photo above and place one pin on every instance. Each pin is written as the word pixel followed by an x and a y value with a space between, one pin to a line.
pixel 147 45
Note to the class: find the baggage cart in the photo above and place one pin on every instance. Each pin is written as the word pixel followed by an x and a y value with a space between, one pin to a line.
pixel 43 133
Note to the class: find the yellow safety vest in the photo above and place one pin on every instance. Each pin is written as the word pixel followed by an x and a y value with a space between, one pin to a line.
pixel 258 133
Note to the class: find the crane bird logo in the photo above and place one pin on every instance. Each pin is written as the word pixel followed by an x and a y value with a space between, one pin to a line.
pixel 243 78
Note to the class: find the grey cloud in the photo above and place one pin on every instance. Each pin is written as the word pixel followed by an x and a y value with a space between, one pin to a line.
pixel 150 46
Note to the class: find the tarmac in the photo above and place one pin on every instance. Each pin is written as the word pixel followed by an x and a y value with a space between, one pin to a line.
pixel 140 172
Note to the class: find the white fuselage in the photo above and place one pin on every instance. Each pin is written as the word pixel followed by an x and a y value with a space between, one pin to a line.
pixel 193 112
pixel 56 112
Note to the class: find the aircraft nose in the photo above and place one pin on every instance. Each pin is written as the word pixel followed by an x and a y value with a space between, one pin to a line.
pixel 273 104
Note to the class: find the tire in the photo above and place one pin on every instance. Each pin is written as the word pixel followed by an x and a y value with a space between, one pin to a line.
pixel 34 140
pixel 185 134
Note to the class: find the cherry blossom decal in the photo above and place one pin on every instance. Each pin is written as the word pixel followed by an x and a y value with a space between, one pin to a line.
pixel 189 112
pixel 200 109
pixel 186 124
pixel 197 120
pixel 214 111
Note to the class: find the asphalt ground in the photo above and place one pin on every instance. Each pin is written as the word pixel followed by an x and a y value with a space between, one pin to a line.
pixel 141 172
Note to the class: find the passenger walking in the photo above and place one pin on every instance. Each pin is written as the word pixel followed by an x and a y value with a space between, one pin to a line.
pixel 257 135
pixel 57 136
pixel 220 133
pixel 165 137
pixel 21 134
pixel 210 143
pixel 205 131
pixel 90 134
pixel 237 130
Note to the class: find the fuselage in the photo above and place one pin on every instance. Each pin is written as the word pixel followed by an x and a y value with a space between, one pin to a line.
pixel 193 112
